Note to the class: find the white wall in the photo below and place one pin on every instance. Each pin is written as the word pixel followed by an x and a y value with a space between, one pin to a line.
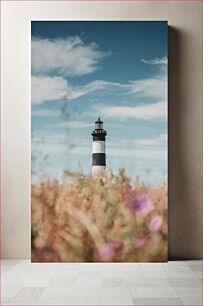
pixel 184 112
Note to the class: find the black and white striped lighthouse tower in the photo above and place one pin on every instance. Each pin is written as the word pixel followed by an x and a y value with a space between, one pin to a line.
pixel 98 148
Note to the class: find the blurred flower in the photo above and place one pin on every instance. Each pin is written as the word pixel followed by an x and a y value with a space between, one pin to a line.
pixel 140 242
pixel 155 223
pixel 84 219
pixel 108 251
pixel 127 192
pixel 141 205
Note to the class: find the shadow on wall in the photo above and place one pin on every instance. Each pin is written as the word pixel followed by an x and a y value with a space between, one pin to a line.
pixel 184 172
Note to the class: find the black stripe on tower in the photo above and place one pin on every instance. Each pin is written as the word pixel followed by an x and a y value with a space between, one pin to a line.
pixel 99 137
pixel 98 159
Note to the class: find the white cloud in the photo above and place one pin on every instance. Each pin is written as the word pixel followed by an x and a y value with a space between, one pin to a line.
pixel 155 61
pixel 146 111
pixel 48 88
pixel 48 148
pixel 74 124
pixel 44 137
pixel 69 57
pixel 139 154
pixel 45 113
pixel 155 87
pixel 97 85
pixel 157 141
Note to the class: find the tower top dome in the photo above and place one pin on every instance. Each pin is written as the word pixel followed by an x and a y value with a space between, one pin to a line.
pixel 99 121
pixel 99 132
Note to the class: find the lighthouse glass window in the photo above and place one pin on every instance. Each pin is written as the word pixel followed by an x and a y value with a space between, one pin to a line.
pixel 99 141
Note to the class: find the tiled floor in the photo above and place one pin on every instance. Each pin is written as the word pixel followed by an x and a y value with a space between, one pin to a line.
pixel 173 283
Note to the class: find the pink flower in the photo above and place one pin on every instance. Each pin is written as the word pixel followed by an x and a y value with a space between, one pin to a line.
pixel 155 223
pixel 141 205
pixel 127 192
pixel 108 251
pixel 140 242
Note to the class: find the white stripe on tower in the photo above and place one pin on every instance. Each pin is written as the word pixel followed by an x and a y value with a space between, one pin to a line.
pixel 98 148
pixel 98 169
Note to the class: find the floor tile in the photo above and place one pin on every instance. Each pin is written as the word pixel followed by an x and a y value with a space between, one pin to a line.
pixel 189 291
pixel 198 274
pixel 36 279
pixel 73 292
pixel 176 263
pixel 90 274
pixel 46 267
pixel 117 301
pixel 152 267
pixel 153 292
pixel 88 282
pixel 6 268
pixel 196 268
pixel 155 274
pixel 157 301
pixel 176 268
pixel 28 292
pixel 171 283
pixel 9 292
pixel 21 301
pixel 122 274
pixel 146 282
pixel 4 301
pixel 68 271
pixel 61 282
pixel 178 274
pixel 185 282
pixel 116 292
pixel 91 267
pixel 14 276
pixel 111 282
pixel 193 262
pixel 192 301
pixel 135 267
pixel 89 279
pixel 69 301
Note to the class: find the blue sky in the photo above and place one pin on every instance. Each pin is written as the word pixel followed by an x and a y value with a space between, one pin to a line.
pixel 117 70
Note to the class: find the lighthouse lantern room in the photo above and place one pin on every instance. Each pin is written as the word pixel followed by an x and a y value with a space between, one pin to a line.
pixel 98 148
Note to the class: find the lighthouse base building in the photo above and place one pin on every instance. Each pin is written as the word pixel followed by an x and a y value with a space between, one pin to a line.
pixel 98 148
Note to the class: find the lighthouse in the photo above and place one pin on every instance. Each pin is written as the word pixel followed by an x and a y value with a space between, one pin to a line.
pixel 98 148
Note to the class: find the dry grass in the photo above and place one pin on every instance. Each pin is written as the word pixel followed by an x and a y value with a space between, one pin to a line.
pixel 105 219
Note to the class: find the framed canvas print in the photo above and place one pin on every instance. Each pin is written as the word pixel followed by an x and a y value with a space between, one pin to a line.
pixel 99 141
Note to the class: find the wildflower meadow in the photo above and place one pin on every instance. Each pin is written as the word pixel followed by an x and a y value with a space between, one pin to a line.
pixel 108 218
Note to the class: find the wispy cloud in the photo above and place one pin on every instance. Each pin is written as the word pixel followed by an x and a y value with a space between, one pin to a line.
pixel 156 141
pixel 155 87
pixel 44 137
pixel 46 88
pixel 146 111
pixel 69 57
pixel 155 61
pixel 98 85
pixel 46 113
pixel 74 124
pixel 152 154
